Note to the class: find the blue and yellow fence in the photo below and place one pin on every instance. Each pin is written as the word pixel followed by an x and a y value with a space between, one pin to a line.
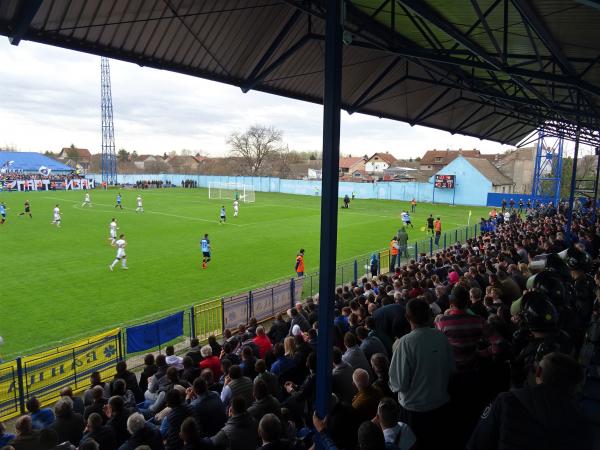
pixel 45 374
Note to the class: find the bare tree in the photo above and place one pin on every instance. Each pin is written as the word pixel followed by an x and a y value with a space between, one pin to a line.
pixel 255 145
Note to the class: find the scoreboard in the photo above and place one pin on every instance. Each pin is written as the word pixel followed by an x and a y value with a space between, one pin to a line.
pixel 445 181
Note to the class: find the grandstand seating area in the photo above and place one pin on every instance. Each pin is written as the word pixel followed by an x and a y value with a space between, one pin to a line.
pixel 30 162
pixel 508 319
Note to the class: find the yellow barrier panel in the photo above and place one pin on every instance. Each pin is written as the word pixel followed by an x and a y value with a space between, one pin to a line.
pixel 208 319
pixel 9 390
pixel 384 261
pixel 46 373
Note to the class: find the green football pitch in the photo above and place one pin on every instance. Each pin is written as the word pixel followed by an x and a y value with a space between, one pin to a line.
pixel 56 283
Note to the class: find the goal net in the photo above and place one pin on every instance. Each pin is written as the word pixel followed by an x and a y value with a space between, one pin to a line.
pixel 231 191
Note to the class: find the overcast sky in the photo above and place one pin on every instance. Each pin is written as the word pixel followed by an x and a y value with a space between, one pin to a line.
pixel 50 98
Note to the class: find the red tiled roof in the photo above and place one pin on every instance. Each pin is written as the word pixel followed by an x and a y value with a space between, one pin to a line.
pixel 447 156
pixel 387 157
pixel 347 162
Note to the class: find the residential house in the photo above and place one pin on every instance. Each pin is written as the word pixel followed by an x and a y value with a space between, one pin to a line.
pixel 145 162
pixel 183 164
pixel 518 165
pixel 437 159
pixel 379 162
pixel 74 157
pixel 349 165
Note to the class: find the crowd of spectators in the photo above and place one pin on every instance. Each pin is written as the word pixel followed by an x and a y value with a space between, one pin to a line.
pixel 477 346
pixel 189 184
pixel 152 184
pixel 24 176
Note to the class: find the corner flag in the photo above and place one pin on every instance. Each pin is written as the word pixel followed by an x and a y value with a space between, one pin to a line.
pixel 469 221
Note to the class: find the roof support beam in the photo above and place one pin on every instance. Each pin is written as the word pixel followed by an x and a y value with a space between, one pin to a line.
pixel 436 57
pixel 25 16
pixel 378 10
pixel 373 85
pixel 486 27
pixel 429 106
pixel 440 108
pixel 528 14
pixel 274 45
pixel 427 13
pixel 494 128
pixel 250 83
pixel 385 90
pixel 476 121
pixel 518 132
pixel 423 10
pixel 469 117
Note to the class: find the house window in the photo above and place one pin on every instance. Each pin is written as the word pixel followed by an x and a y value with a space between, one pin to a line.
pixel 439 159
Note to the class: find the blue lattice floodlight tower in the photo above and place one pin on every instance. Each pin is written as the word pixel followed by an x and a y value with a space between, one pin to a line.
pixel 547 170
pixel 109 156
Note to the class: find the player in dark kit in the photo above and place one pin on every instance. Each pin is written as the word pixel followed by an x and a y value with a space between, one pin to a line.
pixel 27 210
pixel 430 224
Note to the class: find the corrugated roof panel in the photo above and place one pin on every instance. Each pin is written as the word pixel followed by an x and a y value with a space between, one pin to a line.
pixel 225 39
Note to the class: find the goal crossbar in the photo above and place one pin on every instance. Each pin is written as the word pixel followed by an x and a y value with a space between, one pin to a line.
pixel 231 191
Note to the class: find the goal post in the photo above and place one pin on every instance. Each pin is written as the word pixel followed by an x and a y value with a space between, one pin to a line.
pixel 231 191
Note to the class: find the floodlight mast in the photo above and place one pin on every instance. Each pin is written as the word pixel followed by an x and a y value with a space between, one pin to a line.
pixel 109 156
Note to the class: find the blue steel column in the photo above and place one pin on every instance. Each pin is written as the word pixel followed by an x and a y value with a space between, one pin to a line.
pixel 558 172
pixel 573 183
pixel 596 184
pixel 536 170
pixel 329 200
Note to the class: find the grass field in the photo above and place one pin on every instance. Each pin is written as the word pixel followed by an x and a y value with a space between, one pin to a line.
pixel 56 283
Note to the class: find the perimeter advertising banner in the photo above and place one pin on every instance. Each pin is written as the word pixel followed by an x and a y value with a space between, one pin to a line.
pixel 48 185
pixel 9 390
pixel 46 373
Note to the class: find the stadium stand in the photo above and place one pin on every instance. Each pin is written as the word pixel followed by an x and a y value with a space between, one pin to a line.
pixel 484 345
pixel 30 162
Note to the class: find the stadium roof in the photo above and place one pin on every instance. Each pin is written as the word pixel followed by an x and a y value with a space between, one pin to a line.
pixel 30 162
pixel 491 69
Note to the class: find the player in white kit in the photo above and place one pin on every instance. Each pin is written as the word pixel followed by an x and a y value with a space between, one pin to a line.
pixel 121 256
pixel 87 201
pixel 113 231
pixel 236 208
pixel 139 208
pixel 56 219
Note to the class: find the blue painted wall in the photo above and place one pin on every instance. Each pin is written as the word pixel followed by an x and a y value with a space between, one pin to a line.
pixel 471 186
pixel 466 185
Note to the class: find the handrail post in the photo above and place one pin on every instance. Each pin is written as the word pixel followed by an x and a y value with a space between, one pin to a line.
pixel 292 292
pixel 21 385
pixel 192 323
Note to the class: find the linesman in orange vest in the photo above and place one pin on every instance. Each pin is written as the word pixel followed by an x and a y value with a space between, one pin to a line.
pixel 393 254
pixel 437 226
pixel 300 263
